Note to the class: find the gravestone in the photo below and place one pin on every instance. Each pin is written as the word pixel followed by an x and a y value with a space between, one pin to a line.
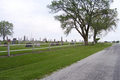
pixel 40 39
pixel 28 45
pixel 14 39
pixel 62 42
pixel 37 44
pixel 8 40
pixel 13 42
pixel 57 43
pixel 75 40
pixel 66 40
pixel 54 40
pixel 52 44
pixel 18 42
pixel 72 42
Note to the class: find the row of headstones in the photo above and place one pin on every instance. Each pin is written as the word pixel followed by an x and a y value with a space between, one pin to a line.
pixel 37 44
pixel 20 41
pixel 14 41
pixel 56 43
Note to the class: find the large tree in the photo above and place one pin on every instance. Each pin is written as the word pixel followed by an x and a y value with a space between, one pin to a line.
pixel 6 28
pixel 104 23
pixel 78 14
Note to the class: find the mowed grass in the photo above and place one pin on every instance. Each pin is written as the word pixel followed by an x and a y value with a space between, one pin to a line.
pixel 37 65
pixel 22 48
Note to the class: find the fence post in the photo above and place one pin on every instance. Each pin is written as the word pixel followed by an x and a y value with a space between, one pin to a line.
pixel 49 46
pixel 8 49
pixel 33 47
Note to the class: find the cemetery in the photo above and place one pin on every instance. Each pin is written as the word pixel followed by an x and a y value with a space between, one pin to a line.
pixel 24 46
pixel 30 59
pixel 15 46
pixel 35 65
pixel 27 58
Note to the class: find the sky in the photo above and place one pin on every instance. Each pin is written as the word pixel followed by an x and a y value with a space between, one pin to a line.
pixel 31 18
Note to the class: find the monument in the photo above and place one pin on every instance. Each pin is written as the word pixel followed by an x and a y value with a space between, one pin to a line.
pixel 14 41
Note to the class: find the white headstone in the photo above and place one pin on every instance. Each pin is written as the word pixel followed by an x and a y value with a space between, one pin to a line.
pixel 37 44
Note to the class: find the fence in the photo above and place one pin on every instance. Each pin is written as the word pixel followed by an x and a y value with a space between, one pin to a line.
pixel 33 48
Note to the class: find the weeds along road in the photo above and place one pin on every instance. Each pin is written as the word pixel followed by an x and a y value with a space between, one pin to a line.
pixel 103 65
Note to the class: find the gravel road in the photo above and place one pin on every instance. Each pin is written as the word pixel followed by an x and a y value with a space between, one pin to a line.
pixel 103 65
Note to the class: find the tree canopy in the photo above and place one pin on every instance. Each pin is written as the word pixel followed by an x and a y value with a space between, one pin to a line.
pixel 6 28
pixel 104 23
pixel 79 14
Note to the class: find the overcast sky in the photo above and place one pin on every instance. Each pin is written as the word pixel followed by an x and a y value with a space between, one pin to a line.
pixel 32 19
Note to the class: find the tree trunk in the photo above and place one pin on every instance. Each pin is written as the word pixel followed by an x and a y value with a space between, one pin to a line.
pixel 3 38
pixel 94 37
pixel 85 40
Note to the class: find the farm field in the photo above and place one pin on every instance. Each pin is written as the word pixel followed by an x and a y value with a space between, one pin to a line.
pixel 38 65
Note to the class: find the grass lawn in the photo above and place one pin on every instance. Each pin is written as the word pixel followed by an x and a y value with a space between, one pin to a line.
pixel 22 47
pixel 37 65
